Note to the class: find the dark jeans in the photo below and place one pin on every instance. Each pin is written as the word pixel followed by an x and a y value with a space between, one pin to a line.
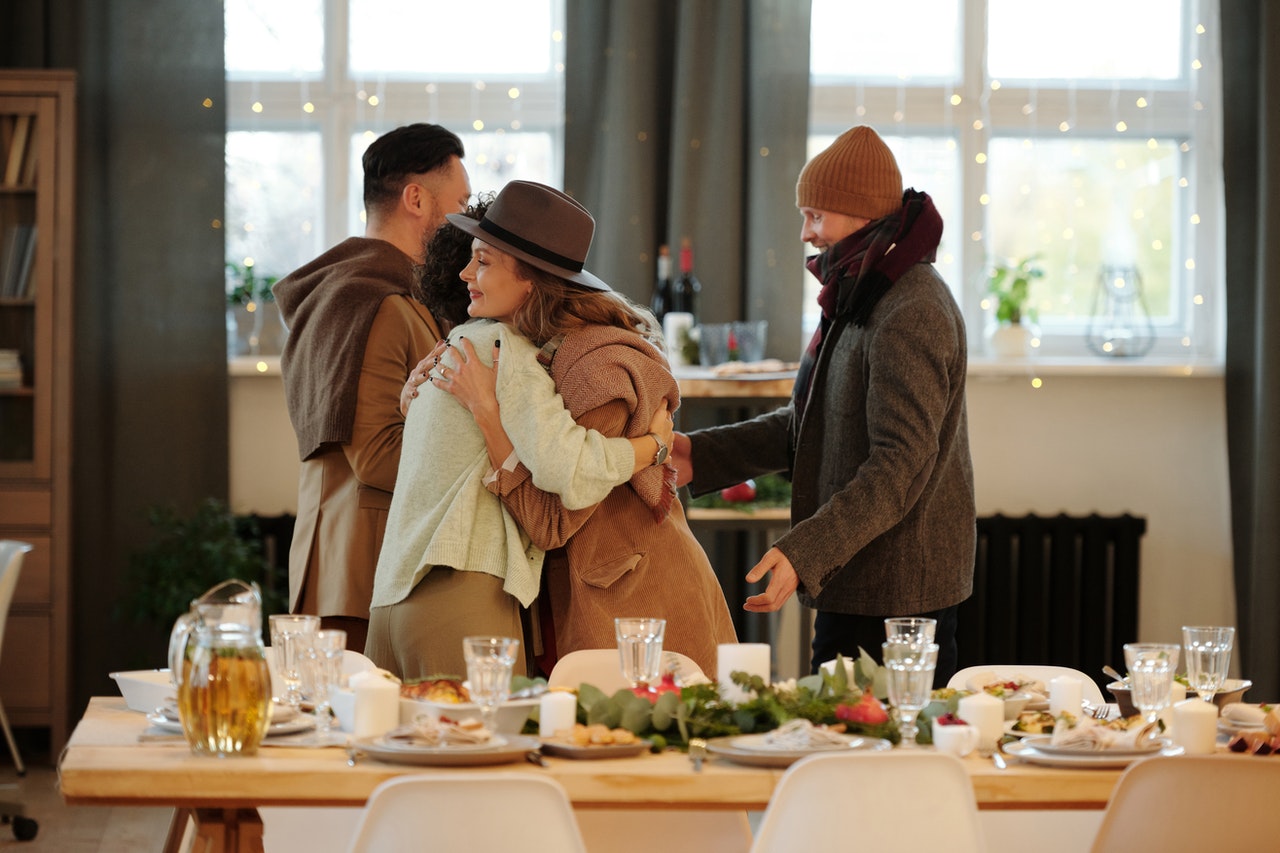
pixel 844 633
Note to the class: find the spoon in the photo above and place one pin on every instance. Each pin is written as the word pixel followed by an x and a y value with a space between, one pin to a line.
pixel 1108 670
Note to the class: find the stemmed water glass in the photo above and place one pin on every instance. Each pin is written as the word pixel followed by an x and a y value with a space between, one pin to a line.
pixel 1208 651
pixel 640 648
pixel 911 667
pixel 323 652
pixel 489 663
pixel 289 632
pixel 1151 669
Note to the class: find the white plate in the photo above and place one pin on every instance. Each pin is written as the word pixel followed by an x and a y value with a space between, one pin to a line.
pixel 510 718
pixel 406 745
pixel 1093 760
pixel 514 748
pixel 300 723
pixel 594 751
pixel 727 748
pixel 1044 743
pixel 762 743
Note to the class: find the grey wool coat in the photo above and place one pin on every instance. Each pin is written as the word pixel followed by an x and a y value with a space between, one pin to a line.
pixel 882 511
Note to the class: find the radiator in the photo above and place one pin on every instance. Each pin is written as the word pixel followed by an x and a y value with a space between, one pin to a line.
pixel 1053 590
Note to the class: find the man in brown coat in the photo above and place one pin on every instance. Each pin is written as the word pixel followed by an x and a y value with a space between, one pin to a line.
pixel 355 333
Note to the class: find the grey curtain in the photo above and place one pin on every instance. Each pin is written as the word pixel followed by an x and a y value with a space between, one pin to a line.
pixel 1251 166
pixel 150 398
pixel 688 118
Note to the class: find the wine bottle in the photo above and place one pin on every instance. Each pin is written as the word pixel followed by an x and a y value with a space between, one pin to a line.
pixel 661 302
pixel 687 289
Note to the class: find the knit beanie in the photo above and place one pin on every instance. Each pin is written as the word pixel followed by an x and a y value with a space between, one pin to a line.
pixel 856 175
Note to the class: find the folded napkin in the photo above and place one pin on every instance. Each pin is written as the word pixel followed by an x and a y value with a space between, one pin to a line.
pixel 426 730
pixel 1245 715
pixel 1090 735
pixel 801 734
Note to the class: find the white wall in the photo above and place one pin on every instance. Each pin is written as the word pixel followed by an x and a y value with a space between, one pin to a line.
pixel 1148 441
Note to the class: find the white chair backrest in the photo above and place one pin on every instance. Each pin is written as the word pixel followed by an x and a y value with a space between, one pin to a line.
pixel 601 668
pixel 1090 690
pixel 11 553
pixel 899 800
pixel 493 812
pixel 1223 803
pixel 353 662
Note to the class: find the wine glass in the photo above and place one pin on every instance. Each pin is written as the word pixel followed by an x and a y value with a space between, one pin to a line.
pixel 1208 651
pixel 911 667
pixel 489 662
pixel 323 652
pixel 910 629
pixel 640 648
pixel 1151 668
pixel 289 632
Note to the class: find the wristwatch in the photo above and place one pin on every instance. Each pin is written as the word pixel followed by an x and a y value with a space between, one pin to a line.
pixel 663 450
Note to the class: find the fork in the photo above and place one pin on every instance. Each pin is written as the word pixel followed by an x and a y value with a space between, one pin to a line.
pixel 1098 712
pixel 697 752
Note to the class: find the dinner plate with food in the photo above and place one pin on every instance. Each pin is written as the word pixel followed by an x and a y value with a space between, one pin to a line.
pixel 1087 742
pixel 451 698
pixel 431 741
pixel 788 743
pixel 285 720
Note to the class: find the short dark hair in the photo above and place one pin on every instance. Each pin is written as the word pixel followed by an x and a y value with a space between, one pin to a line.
pixel 409 150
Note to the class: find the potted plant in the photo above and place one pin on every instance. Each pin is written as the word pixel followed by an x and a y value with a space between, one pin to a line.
pixel 254 325
pixel 1009 282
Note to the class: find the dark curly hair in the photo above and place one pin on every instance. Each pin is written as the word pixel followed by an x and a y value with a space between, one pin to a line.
pixel 448 251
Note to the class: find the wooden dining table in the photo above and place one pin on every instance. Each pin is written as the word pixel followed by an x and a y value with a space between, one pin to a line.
pixel 116 758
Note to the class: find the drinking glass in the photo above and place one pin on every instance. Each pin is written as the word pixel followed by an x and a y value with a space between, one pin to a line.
pixel 323 652
pixel 489 662
pixel 1151 668
pixel 640 648
pixel 1208 651
pixel 911 668
pixel 288 634
pixel 910 629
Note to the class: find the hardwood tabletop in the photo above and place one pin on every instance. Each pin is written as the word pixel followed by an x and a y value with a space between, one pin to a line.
pixel 105 764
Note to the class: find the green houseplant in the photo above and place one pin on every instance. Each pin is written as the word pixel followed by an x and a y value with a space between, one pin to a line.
pixel 1009 283
pixel 254 325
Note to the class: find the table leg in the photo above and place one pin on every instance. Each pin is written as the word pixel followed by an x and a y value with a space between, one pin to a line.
pixel 228 831
pixel 177 830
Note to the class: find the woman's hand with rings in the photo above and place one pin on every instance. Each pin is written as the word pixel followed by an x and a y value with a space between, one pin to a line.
pixel 421 373
pixel 470 381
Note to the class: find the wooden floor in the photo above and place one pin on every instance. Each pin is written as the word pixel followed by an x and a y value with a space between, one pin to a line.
pixel 72 829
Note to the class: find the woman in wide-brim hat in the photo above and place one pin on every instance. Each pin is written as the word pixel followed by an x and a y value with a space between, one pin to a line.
pixel 631 552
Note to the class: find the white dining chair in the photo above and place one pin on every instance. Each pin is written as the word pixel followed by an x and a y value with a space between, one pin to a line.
pixel 1090 690
pixel 631 831
pixel 1193 803
pixel 898 800
pixel 483 812
pixel 601 668
pixel 11 553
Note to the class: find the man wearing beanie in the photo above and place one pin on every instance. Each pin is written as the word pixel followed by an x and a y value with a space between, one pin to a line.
pixel 875 438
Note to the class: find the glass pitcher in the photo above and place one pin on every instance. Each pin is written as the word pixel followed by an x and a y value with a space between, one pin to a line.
pixel 220 671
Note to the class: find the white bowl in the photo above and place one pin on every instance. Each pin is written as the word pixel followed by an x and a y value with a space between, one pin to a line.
pixel 145 690
pixel 510 719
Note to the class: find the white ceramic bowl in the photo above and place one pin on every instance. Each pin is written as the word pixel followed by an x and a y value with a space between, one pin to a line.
pixel 510 719
pixel 145 690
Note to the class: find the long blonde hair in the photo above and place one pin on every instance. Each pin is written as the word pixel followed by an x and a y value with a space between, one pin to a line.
pixel 556 307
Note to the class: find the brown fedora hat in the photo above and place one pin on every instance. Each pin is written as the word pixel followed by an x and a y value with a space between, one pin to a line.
pixel 540 226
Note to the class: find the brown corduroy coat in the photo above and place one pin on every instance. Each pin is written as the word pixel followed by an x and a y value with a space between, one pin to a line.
pixel 615 558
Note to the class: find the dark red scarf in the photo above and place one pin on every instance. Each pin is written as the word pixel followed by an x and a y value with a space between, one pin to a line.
pixel 859 270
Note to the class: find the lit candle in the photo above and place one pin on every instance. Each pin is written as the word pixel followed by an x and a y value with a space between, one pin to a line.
pixel 557 712
pixel 986 712
pixel 1195 726
pixel 753 658
pixel 1066 694
pixel 377 703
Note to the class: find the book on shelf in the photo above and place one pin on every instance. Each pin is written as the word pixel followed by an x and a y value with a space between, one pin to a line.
pixel 17 256
pixel 17 149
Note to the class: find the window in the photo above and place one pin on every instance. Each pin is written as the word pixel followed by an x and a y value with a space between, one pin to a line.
pixel 1084 135
pixel 311 82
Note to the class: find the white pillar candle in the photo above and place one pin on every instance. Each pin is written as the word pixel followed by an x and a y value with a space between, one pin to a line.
pixel 1195 726
pixel 1065 694
pixel 986 712
pixel 377 703
pixel 1177 693
pixel 557 712
pixel 754 658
